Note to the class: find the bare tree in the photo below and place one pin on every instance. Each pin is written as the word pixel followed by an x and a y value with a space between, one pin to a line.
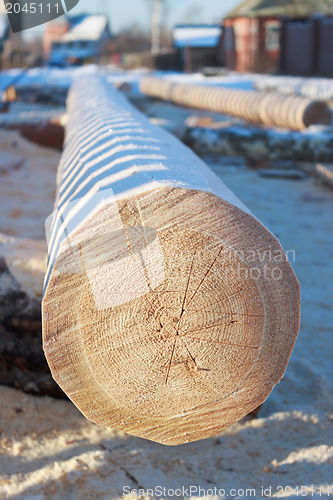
pixel 132 38
pixel 156 27
pixel 193 14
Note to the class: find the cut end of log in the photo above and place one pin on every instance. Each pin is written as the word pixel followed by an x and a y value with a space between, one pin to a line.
pixel 317 113
pixel 170 316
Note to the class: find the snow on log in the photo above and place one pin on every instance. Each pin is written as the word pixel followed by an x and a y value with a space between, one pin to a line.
pixel 267 108
pixel 169 311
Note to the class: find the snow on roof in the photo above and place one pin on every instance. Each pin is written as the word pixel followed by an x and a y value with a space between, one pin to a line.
pixel 197 36
pixel 90 28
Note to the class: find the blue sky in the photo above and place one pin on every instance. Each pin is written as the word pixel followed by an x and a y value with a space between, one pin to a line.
pixel 125 12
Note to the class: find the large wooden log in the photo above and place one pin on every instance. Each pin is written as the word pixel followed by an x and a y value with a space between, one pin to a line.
pixel 266 108
pixel 169 311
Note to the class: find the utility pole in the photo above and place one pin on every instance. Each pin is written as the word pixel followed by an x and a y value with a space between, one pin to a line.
pixel 156 27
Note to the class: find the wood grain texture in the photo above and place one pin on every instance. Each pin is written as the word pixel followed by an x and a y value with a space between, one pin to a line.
pixel 166 311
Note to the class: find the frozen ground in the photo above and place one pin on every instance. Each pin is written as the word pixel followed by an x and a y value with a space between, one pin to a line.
pixel 45 76
pixel 316 88
pixel 49 451
pixel 27 186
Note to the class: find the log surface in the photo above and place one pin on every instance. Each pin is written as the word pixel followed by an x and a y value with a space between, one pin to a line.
pixel 265 108
pixel 164 312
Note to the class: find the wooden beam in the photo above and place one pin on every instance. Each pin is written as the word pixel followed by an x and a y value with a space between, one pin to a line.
pixel 265 108
pixel 169 311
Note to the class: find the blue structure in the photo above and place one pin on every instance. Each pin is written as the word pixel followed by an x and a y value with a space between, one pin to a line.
pixel 198 45
pixel 84 41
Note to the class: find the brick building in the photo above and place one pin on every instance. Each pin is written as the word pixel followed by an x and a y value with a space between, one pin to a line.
pixel 255 31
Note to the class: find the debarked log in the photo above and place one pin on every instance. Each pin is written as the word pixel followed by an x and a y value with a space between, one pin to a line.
pixel 166 312
pixel 265 108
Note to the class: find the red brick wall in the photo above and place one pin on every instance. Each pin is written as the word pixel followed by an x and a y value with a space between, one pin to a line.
pixel 245 45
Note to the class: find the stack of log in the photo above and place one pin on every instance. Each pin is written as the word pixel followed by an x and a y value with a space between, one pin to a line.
pixel 265 108
pixel 27 178
pixel 22 361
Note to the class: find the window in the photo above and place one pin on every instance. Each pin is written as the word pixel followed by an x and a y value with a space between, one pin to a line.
pixel 272 40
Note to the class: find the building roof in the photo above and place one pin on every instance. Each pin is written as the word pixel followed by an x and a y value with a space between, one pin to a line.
pixel 89 27
pixel 185 35
pixel 277 8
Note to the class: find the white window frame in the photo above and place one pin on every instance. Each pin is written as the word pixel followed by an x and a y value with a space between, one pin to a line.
pixel 272 36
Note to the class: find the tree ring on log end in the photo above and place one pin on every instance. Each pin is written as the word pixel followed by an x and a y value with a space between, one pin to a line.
pixel 193 347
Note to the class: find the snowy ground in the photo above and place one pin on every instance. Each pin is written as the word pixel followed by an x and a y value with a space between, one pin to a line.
pixel 27 186
pixel 316 88
pixel 64 77
pixel 49 451
pixel 45 76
